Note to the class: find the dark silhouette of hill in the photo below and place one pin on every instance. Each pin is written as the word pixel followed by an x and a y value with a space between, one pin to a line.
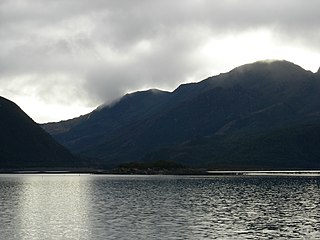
pixel 25 145
pixel 247 101
pixel 295 147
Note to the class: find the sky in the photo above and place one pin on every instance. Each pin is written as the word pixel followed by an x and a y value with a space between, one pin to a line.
pixel 62 58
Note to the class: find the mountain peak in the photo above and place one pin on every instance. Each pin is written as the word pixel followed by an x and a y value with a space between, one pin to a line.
pixel 133 95
pixel 270 71
pixel 269 65
pixel 146 92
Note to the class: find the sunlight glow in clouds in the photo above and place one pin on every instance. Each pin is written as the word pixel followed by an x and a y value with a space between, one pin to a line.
pixel 251 46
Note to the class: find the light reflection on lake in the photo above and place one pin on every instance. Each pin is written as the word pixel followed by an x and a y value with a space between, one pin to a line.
pixel 43 207
pixel 158 207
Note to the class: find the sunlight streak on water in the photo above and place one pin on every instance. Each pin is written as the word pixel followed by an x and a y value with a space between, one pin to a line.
pixel 47 207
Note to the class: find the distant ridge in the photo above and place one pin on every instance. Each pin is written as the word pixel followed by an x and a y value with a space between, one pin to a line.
pixel 259 98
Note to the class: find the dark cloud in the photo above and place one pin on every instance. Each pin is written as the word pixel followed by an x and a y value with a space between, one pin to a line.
pixel 93 51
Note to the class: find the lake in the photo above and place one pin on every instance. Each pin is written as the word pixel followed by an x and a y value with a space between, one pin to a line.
pixel 159 207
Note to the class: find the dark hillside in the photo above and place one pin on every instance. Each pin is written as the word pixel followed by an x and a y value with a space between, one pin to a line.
pixel 24 144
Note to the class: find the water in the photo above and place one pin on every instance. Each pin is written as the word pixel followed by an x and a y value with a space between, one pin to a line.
pixel 158 207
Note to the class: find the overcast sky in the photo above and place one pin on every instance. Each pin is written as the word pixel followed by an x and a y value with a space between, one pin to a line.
pixel 62 58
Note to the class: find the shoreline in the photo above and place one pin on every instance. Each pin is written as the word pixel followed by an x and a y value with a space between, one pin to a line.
pixel 203 172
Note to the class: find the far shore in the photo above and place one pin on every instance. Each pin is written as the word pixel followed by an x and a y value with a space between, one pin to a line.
pixel 166 172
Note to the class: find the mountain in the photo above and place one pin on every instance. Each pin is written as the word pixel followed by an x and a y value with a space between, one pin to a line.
pixel 108 121
pixel 25 145
pixel 251 99
pixel 295 147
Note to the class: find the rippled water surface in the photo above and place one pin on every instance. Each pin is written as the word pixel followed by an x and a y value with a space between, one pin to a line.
pixel 158 207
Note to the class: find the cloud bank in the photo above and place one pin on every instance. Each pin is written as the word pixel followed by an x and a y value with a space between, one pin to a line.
pixel 86 52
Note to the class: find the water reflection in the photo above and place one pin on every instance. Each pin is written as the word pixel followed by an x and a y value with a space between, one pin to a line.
pixel 260 208
pixel 193 208
pixel 9 202
pixel 159 207
pixel 46 207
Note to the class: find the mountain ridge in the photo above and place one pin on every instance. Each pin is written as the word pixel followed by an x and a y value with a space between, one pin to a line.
pixel 251 98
